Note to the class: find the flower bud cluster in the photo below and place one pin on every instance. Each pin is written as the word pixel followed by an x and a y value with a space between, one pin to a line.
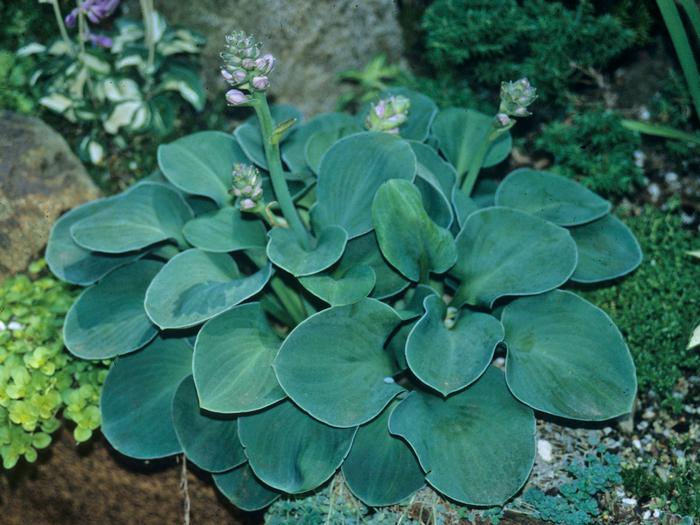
pixel 388 114
pixel 245 68
pixel 247 186
pixel 516 97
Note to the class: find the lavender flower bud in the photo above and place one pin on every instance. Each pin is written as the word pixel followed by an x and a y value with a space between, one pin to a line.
pixel 261 83
pixel 228 77
pixel 236 97
pixel 72 18
pixel 388 114
pixel 248 63
pixel 516 97
pixel 99 40
pixel 265 64
pixel 503 120
pixel 247 186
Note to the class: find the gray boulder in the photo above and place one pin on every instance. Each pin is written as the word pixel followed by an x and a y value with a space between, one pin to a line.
pixel 40 177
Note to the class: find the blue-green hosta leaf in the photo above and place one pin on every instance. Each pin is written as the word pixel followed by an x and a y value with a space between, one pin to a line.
pixel 551 197
pixel 108 319
pixel 74 264
pixel 411 304
pixel 364 250
pixel 566 357
pixel 380 468
pixel 294 148
pixel 250 138
pixel 343 284
pixel 244 490
pixel 334 366
pixel 408 238
pixel 607 249
pixel 225 230
pixel 233 362
pixel 321 141
pixel 460 133
pixel 503 252
pixel 482 433
pixel 137 398
pixel 463 204
pixel 351 173
pixel 420 114
pixel 195 286
pixel 201 163
pixel 291 451
pixel 144 215
pixel 286 251
pixel 450 359
pixel 435 180
pixel 209 442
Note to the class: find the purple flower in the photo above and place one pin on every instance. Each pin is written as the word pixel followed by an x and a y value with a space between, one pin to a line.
pixel 265 64
pixel 95 10
pixel 99 40
pixel 261 83
pixel 235 97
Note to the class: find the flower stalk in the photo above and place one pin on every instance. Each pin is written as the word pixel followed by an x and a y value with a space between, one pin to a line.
pixel 62 26
pixel 147 12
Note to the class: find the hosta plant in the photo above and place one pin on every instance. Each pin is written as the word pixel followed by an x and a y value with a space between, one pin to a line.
pixel 299 297
pixel 119 82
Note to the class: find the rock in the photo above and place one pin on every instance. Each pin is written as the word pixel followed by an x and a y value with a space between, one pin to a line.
pixel 311 40
pixel 40 177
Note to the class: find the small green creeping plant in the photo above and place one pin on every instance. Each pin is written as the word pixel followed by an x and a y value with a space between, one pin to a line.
pixel 339 303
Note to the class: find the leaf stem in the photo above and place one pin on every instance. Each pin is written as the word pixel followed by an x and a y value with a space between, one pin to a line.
pixel 62 27
pixel 478 160
pixel 274 164
pixel 289 299
pixel 148 35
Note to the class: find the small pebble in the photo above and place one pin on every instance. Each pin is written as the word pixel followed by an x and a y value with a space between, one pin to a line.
pixel 654 190
pixel 544 449
pixel 499 362
pixel 639 158
pixel 671 176
pixel 14 325
pixel 637 444
pixel 629 501
pixel 644 113
pixel 389 380
pixel 646 515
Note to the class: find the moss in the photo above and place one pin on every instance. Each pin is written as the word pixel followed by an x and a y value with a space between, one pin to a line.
pixel 594 148
pixel 658 305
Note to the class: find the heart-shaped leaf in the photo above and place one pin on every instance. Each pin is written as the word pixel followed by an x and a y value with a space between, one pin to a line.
pixel 607 249
pixel 74 264
pixel 567 358
pixel 286 251
pixel 342 285
pixel 294 148
pixel 411 304
pixel 233 362
pixel 343 347
pixel 137 398
pixel 210 443
pixel 435 180
pixel 200 164
pixel 551 197
pixel 449 359
pixel 108 319
pixel 291 451
pixel 225 230
pixel 482 433
pixel 408 238
pixel 351 173
pixel 321 141
pixel 463 204
pixel 250 138
pixel 502 252
pixel 380 468
pixel 195 286
pixel 460 133
pixel 146 214
pixel 244 490
pixel 420 114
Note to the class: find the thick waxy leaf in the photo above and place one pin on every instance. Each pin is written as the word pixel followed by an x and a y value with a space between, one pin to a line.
pixel 342 285
pixel 233 362
pixel 250 138
pixel 460 133
pixel 435 180
pixel 365 250
pixel 482 433
pixel 566 357
pixel 411 305
pixel 420 114
pixel 408 238
pixel 450 359
pixel 209 442
pixel 225 230
pixel 294 148
pixel 201 164
pixel 137 397
pixel 195 286
pixel 552 197
pixel 607 249
pixel 334 366
pixel 463 205
pixel 74 264
pixel 146 214
pixel 285 250
pixel 244 490
pixel 351 173
pixel 502 252
pixel 381 469
pixel 291 451
pixel 108 319
pixel 321 141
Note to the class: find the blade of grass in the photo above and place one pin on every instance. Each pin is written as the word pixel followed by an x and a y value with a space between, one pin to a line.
pixel 693 12
pixel 679 37
pixel 660 131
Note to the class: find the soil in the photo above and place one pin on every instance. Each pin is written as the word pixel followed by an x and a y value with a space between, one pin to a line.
pixel 93 484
